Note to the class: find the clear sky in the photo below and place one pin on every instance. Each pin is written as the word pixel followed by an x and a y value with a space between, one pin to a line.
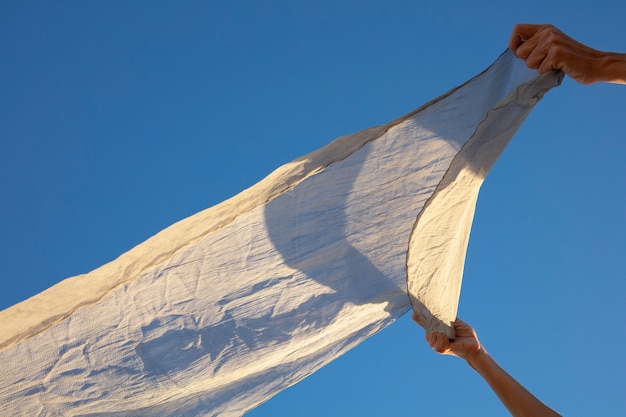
pixel 119 118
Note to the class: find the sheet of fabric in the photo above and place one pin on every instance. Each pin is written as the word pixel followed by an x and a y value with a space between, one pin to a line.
pixel 224 309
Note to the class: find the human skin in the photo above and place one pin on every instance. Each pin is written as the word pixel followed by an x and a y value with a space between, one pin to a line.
pixel 517 399
pixel 546 48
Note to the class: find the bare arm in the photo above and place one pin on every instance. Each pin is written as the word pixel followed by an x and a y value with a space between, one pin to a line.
pixel 546 48
pixel 517 399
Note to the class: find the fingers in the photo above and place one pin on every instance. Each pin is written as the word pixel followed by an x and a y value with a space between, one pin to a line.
pixel 417 319
pixel 522 33
pixel 438 342
pixel 464 330
pixel 461 327
pixel 534 43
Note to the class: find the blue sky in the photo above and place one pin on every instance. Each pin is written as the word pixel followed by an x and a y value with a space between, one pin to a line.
pixel 119 118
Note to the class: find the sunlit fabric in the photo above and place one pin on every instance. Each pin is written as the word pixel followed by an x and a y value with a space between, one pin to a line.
pixel 219 312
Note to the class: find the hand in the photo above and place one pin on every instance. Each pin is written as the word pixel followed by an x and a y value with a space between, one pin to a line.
pixel 546 48
pixel 465 345
pixel 517 399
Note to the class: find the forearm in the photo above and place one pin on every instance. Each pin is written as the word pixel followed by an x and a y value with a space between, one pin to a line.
pixel 613 68
pixel 517 399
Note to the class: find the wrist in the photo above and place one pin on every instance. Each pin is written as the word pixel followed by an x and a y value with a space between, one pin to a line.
pixel 612 68
pixel 477 359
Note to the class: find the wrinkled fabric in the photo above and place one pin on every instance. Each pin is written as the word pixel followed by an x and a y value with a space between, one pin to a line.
pixel 219 312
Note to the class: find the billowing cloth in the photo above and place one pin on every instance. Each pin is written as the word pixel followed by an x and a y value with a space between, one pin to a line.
pixel 217 313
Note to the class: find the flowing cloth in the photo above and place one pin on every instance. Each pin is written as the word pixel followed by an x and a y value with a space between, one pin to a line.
pixel 222 310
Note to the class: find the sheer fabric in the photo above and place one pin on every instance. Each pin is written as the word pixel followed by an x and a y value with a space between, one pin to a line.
pixel 217 313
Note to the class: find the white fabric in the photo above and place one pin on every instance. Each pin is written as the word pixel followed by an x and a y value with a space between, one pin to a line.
pixel 222 310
